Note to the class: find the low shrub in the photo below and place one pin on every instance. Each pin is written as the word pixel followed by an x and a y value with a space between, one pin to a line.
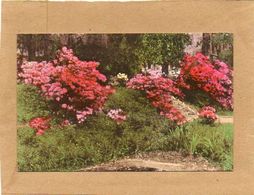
pixel 159 90
pixel 40 124
pixel 99 139
pixel 73 86
pixel 212 142
pixel 30 104
pixel 207 115
pixel 200 77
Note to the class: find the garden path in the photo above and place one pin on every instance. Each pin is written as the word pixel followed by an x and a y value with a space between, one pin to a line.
pixel 225 119
pixel 156 161
pixel 191 113
pixel 186 109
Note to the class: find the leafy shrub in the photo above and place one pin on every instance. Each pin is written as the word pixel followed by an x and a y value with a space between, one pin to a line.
pixel 73 86
pixel 212 142
pixel 98 140
pixel 40 124
pixel 213 79
pixel 159 90
pixel 207 114
pixel 30 104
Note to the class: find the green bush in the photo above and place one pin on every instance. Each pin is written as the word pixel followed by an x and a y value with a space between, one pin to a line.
pixel 30 103
pixel 100 139
pixel 212 142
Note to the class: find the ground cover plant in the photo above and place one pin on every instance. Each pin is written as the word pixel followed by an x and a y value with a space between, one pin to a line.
pixel 73 114
pixel 69 148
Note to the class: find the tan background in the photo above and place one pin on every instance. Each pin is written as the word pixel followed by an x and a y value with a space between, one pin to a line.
pixel 172 16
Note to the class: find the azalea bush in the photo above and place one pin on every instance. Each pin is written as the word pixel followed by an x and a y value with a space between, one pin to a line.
pixel 159 91
pixel 207 114
pixel 40 124
pixel 199 74
pixel 74 87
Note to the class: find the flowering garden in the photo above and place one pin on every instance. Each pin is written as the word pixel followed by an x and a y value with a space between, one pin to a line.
pixel 71 115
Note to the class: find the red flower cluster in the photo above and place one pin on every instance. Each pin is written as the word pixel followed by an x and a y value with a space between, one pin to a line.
pixel 72 84
pixel 207 113
pixel 215 79
pixel 40 124
pixel 159 90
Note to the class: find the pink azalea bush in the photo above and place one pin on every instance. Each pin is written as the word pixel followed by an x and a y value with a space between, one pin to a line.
pixel 40 124
pixel 159 91
pixel 207 114
pixel 117 115
pixel 71 84
pixel 215 79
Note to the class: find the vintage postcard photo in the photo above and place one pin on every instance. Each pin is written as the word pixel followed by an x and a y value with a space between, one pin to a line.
pixel 125 102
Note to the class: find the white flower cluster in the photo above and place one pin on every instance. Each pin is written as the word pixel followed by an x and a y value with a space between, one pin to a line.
pixel 122 76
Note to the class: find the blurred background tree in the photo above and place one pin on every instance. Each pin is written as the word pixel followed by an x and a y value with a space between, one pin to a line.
pixel 218 46
pixel 125 53
pixel 162 49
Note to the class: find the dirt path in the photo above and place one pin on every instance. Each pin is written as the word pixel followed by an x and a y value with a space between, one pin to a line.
pixel 225 119
pixel 156 161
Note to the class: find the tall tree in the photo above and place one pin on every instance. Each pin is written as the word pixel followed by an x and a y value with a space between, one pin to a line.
pixel 162 49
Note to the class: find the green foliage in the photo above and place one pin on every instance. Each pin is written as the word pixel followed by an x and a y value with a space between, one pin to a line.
pixel 199 99
pixel 30 103
pixel 225 113
pixel 219 46
pixel 163 49
pixel 223 44
pixel 124 53
pixel 120 57
pixel 212 142
pixel 101 139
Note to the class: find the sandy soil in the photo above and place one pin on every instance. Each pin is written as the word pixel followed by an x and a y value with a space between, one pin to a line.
pixel 156 161
pixel 225 119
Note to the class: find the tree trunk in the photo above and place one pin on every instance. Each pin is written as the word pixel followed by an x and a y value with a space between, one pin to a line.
pixel 206 44
pixel 165 68
pixel 30 48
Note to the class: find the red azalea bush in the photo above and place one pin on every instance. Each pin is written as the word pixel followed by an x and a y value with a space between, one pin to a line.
pixel 159 90
pixel 207 114
pixel 40 124
pixel 73 85
pixel 215 79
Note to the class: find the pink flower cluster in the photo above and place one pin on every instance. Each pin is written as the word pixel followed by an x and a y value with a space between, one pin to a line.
pixel 82 115
pixel 159 91
pixel 40 124
pixel 72 84
pixel 155 72
pixel 65 122
pixel 207 114
pixel 117 115
pixel 215 79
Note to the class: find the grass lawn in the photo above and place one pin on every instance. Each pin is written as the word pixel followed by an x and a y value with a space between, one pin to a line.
pixel 225 113
pixel 100 139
